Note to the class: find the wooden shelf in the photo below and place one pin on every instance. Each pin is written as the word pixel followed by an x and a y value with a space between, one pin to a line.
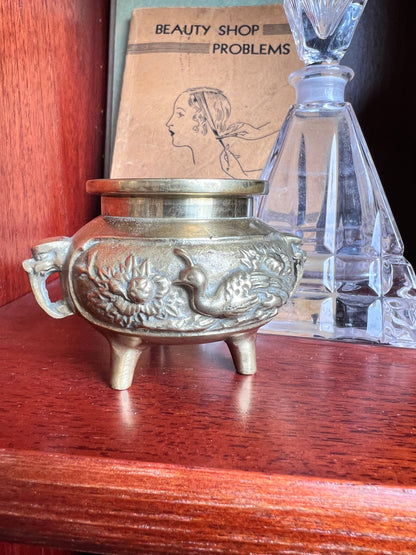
pixel 316 452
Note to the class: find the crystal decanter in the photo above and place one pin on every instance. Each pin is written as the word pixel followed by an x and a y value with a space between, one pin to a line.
pixel 357 286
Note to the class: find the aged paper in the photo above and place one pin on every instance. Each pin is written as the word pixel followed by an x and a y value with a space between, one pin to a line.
pixel 205 91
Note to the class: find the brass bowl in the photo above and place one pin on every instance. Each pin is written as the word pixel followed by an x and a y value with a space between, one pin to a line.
pixel 171 261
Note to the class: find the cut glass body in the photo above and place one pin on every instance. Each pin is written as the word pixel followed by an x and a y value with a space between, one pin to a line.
pixel 324 188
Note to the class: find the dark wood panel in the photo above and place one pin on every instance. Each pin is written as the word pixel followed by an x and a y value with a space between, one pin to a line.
pixel 53 76
pixel 381 55
pixel 21 549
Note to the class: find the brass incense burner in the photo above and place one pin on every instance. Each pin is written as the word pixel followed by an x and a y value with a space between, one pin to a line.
pixel 171 261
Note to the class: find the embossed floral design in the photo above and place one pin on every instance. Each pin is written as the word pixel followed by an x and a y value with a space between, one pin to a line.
pixel 131 293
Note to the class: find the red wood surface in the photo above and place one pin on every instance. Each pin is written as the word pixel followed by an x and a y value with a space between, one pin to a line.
pixel 316 453
pixel 126 507
pixel 53 84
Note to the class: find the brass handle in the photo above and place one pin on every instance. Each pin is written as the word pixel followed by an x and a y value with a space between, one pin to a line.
pixel 48 259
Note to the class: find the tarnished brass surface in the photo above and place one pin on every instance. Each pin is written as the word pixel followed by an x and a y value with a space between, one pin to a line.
pixel 177 198
pixel 178 187
pixel 171 261
pixel 176 207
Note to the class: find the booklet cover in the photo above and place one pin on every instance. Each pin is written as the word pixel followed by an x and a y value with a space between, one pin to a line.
pixel 205 91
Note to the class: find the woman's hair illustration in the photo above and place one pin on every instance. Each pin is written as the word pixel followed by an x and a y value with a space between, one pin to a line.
pixel 212 110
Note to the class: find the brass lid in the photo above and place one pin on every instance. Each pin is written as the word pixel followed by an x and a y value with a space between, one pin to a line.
pixel 178 187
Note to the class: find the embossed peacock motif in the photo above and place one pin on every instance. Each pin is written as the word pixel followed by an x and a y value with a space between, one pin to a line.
pixel 261 283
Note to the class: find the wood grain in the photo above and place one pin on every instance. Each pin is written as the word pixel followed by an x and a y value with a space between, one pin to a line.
pixel 125 507
pixel 315 408
pixel 316 453
pixel 53 75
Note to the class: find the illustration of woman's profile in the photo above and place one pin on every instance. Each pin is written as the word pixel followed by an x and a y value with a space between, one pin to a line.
pixel 200 122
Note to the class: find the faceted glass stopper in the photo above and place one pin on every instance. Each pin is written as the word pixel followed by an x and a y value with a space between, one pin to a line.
pixel 323 29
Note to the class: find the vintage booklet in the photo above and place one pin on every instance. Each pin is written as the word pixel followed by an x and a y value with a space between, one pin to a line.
pixel 205 91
